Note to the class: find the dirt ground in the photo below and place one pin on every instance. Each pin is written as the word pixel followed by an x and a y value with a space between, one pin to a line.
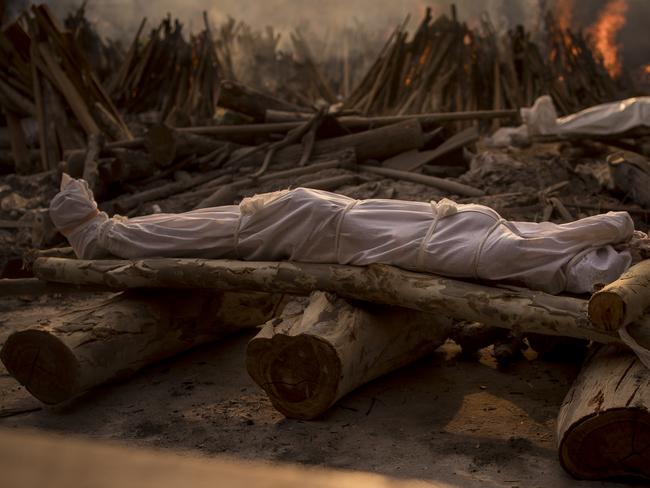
pixel 446 419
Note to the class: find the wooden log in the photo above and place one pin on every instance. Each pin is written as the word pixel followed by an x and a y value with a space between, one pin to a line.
pixel 603 427
pixel 226 194
pixel 307 362
pixel 120 165
pixel 631 175
pixel 623 301
pixel 240 98
pixel 440 183
pixel 353 123
pixel 514 308
pixel 376 144
pixel 128 202
pixel 413 161
pixel 166 144
pixel 71 353
pixel 34 286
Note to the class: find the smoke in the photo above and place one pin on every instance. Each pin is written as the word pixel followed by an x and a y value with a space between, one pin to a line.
pixel 120 18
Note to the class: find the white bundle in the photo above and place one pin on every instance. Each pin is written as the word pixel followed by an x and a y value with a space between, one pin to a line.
pixel 303 225
pixel 605 119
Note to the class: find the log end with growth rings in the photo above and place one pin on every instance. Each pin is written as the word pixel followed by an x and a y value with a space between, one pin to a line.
pixel 607 311
pixel 610 444
pixel 42 364
pixel 299 387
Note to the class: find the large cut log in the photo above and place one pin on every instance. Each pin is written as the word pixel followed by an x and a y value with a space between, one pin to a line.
pixel 240 98
pixel 307 362
pixel 603 428
pixel 623 301
pixel 71 353
pixel 514 308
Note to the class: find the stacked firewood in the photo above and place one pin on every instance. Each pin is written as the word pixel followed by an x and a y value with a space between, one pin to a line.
pixel 168 74
pixel 46 76
pixel 447 66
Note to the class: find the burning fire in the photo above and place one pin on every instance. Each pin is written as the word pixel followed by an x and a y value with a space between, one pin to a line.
pixel 604 31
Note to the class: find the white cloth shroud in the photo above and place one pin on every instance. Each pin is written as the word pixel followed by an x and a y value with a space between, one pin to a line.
pixel 304 225
pixel 604 119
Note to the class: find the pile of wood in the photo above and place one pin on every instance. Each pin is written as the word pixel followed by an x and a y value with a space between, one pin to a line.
pixel 448 66
pixel 46 76
pixel 357 324
pixel 167 73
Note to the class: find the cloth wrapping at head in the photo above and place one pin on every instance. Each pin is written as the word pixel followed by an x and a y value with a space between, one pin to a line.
pixel 75 214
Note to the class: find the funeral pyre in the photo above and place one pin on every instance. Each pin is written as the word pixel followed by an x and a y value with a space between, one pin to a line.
pixel 174 121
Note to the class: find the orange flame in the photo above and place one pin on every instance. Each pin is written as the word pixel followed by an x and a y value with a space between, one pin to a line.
pixel 646 68
pixel 604 31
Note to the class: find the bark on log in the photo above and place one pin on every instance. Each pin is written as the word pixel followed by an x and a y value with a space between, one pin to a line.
pixel 240 98
pixel 603 428
pixel 514 308
pixel 72 353
pixel 307 362
pixel 623 301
